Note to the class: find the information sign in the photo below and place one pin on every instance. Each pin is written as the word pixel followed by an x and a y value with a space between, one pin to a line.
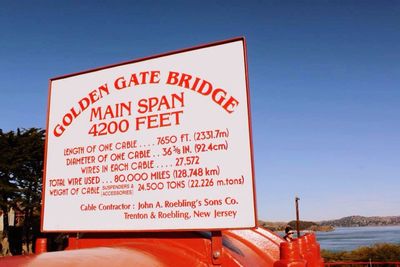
pixel 161 143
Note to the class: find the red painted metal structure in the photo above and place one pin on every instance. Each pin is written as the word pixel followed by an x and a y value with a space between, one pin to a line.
pixel 252 247
pixel 364 263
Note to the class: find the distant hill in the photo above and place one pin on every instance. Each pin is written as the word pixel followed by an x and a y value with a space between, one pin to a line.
pixel 350 221
pixel 304 225
pixel 273 226
pixel 356 221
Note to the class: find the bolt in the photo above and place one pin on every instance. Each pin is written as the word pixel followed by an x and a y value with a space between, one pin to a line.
pixel 216 254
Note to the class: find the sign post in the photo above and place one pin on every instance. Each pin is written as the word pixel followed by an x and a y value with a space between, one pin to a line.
pixel 161 143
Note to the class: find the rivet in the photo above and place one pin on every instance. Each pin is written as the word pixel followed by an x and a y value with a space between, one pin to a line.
pixel 216 254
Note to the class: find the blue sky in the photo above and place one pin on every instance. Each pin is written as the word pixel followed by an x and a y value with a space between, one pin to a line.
pixel 324 80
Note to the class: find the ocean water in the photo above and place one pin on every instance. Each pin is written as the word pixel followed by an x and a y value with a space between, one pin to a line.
pixel 349 238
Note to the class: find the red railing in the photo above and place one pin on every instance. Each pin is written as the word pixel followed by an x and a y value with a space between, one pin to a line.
pixel 365 263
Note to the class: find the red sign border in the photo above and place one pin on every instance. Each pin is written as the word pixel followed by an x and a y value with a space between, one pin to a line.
pixel 136 61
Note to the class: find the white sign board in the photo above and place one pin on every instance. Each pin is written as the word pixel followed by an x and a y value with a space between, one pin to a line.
pixel 161 143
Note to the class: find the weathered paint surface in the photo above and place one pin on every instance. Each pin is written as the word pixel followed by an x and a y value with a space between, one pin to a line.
pixel 253 247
